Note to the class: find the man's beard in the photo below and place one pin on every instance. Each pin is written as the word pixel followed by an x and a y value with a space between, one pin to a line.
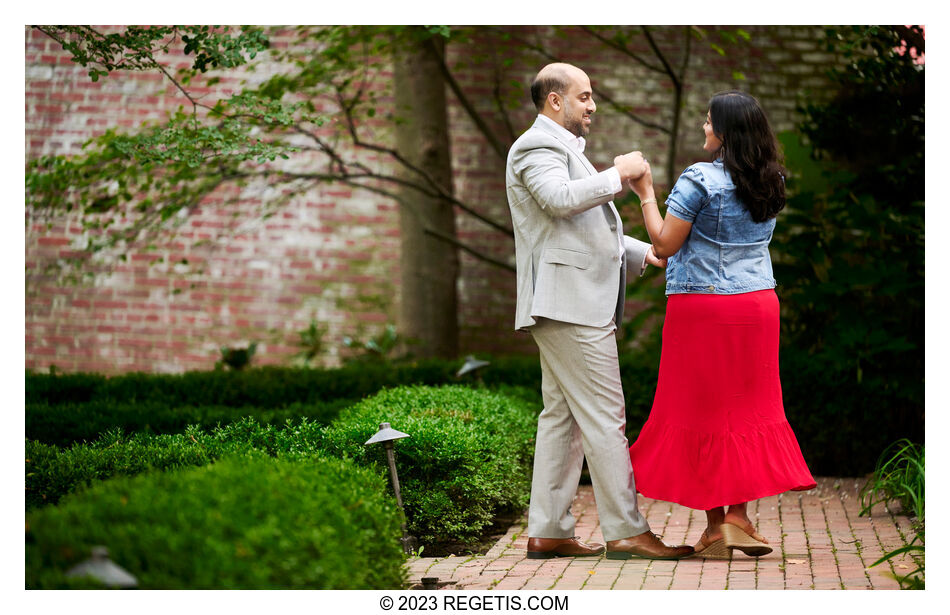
pixel 575 125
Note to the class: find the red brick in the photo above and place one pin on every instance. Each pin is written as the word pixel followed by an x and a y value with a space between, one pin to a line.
pixel 53 241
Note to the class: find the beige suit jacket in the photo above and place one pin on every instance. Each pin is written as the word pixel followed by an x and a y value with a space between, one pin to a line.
pixel 569 266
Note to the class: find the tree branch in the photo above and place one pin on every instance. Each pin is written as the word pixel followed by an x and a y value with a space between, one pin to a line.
pixel 350 173
pixel 483 257
pixel 688 35
pixel 350 181
pixel 346 176
pixel 499 103
pixel 623 110
pixel 598 92
pixel 439 190
pixel 194 103
pixel 621 48
pixel 666 65
pixel 475 116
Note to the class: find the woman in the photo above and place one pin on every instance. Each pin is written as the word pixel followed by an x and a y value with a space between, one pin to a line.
pixel 717 435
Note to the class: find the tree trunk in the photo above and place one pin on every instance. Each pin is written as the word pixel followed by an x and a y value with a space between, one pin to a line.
pixel 429 266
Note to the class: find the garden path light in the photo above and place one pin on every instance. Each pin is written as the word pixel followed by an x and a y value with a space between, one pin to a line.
pixel 387 435
pixel 102 569
pixel 471 364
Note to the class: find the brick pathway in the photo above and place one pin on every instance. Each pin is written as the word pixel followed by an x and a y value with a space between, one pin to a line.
pixel 819 542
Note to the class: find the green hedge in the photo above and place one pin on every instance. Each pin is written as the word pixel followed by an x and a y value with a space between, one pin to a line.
pixel 269 387
pixel 837 422
pixel 66 408
pixel 52 472
pixel 842 428
pixel 67 423
pixel 242 523
pixel 467 460
pixel 265 387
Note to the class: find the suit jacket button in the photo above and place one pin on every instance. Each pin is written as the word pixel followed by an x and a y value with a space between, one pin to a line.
pixel 613 227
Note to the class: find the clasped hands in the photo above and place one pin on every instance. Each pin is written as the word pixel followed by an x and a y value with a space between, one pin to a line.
pixel 630 166
pixel 635 170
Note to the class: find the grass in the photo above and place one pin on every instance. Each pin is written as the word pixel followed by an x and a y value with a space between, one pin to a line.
pixel 899 477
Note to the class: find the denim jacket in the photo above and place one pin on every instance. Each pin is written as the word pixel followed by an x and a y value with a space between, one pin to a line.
pixel 726 252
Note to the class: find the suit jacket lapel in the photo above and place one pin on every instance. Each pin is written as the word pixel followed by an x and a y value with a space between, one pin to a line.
pixel 610 212
pixel 571 147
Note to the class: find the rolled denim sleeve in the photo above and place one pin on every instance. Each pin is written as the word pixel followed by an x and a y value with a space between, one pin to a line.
pixel 689 195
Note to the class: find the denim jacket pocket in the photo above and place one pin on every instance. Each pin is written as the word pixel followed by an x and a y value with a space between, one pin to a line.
pixel 565 256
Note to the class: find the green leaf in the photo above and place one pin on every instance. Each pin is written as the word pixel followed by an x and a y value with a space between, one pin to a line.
pixel 905 549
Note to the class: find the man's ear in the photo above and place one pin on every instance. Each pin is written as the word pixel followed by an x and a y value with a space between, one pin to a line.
pixel 554 100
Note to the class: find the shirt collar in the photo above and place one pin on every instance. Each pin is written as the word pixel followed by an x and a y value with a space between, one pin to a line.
pixel 579 142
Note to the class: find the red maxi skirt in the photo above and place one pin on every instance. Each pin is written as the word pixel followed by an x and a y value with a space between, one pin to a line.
pixel 717 434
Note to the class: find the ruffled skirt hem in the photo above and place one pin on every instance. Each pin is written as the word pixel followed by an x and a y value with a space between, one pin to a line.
pixel 703 470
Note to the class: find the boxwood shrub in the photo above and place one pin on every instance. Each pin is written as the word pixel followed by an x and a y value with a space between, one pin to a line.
pixel 839 428
pixel 467 460
pixel 271 387
pixel 65 423
pixel 66 408
pixel 244 522
pixel 264 387
pixel 52 472
pixel 494 429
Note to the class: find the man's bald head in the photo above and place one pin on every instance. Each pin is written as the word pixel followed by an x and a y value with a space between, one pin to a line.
pixel 552 78
pixel 563 94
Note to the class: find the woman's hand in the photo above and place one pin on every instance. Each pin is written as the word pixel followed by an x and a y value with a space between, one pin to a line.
pixel 643 185
pixel 653 259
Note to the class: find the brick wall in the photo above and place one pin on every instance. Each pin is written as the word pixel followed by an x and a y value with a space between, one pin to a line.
pixel 226 277
pixel 777 63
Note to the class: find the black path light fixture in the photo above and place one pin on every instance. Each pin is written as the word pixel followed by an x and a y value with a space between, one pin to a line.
pixel 102 569
pixel 387 435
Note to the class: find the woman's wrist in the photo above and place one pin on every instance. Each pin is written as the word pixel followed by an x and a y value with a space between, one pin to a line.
pixel 647 198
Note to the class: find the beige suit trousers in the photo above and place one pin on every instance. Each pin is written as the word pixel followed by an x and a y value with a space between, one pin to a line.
pixel 583 415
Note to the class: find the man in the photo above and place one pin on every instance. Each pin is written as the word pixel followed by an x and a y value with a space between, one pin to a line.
pixel 571 260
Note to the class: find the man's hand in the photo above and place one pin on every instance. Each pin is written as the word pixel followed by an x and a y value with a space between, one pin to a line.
pixel 653 260
pixel 630 166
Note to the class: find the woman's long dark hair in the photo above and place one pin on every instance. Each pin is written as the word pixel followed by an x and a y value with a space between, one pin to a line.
pixel 749 152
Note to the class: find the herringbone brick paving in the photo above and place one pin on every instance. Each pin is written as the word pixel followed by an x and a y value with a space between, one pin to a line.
pixel 819 541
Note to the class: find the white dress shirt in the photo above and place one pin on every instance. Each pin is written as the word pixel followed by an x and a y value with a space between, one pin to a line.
pixel 612 173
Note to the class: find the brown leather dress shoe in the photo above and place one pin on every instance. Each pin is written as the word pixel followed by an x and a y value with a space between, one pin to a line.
pixel 546 548
pixel 646 546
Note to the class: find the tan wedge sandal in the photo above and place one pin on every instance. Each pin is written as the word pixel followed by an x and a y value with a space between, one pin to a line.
pixel 715 549
pixel 736 537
